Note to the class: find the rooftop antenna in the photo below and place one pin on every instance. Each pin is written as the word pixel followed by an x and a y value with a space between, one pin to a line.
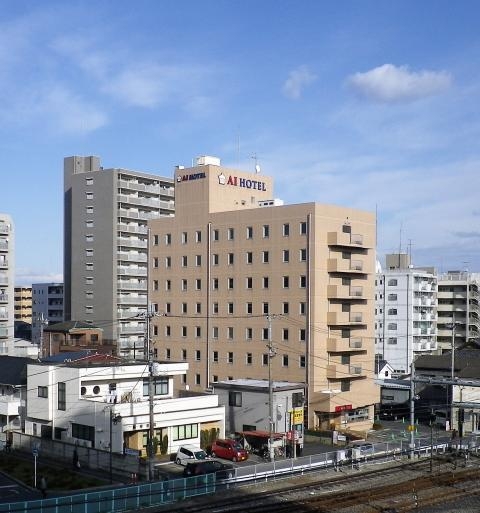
pixel 400 245
pixel 410 250
pixel 257 165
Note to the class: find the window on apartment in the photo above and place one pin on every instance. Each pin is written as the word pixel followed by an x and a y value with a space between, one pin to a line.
pixel 215 259
pixel 286 255
pixel 89 237
pixel 184 261
pixel 89 209
pixel 302 361
pixel 230 283
pixel 62 396
pixel 155 330
pixel 248 333
pixel 285 334
pixel 302 307
pixel 88 180
pixel 249 308
pixel 168 284
pixel 248 282
pixel 198 308
pixel 184 354
pixel 155 240
pixel 89 252
pixel 215 332
pixel 303 228
pixel 265 308
pixel 184 285
pixel 249 359
pixel 230 357
pixel 286 282
pixel 392 341
pixel 392 297
pixel 168 354
pixel 89 195
pixel 265 359
pixel 216 235
pixel 230 234
pixel 303 255
pixel 265 282
pixel 198 379
pixel 198 355
pixel 345 385
pixel 303 281
pixel 286 229
pixel 230 308
pixel 249 256
pixel 184 331
pixel 160 386
pixel 392 311
pixel 392 283
pixel 198 331
pixel 198 284
pixel 230 258
pixel 392 325
pixel 285 360
pixel 168 239
pixel 155 262
pixel 198 260
pixel 215 283
pixel 155 285
pixel 285 308
pixel 302 334
pixel 266 231
pixel 168 331
pixel 230 332
pixel 234 398
pixel 168 262
pixel 89 266
pixel 184 308
pixel 215 356
pixel 265 257
pixel 264 333
pixel 345 359
pixel 184 237
pixel 198 236
pixel 249 232
pixel 215 307
pixel 42 391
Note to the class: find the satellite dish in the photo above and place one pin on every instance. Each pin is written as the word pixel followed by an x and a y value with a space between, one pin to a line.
pixel 257 168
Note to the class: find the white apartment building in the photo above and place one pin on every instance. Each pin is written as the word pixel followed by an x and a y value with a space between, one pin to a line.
pixel 47 307
pixel 405 312
pixel 74 402
pixel 458 309
pixel 7 276
pixel 105 247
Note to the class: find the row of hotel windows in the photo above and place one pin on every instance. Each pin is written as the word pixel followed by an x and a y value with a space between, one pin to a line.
pixel 230 333
pixel 230 282
pixel 265 258
pixel 230 234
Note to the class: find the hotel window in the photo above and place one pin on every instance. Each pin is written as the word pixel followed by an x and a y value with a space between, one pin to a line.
pixel 198 331
pixel 215 308
pixel 285 334
pixel 184 354
pixel 184 308
pixel 265 308
pixel 302 335
pixel 249 359
pixel 215 332
pixel 302 361
pixel 303 255
pixel 231 258
pixel 168 308
pixel 230 234
pixel 285 360
pixel 215 356
pixel 264 333
pixel 216 235
pixel 264 359
pixel 230 332
pixel 249 232
pixel 168 354
pixel 198 236
pixel 248 282
pixel 155 240
pixel 265 282
pixel 184 237
pixel 249 308
pixel 198 260
pixel 89 266
pixel 286 255
pixel 248 333
pixel 198 284
pixel 155 262
pixel 303 228
pixel 198 379
pixel 230 308
pixel 168 239
pixel 266 231
pixel 285 308
pixel 168 331
pixel 88 180
pixel 89 252
pixel 155 284
pixel 215 259
pixel 249 256
pixel 198 355
pixel 168 262
pixel 230 357
pixel 89 195
pixel 286 282
pixel 286 230
pixel 168 284
pixel 303 282
pixel 230 283
pixel 215 283
pixel 89 210
pixel 184 261
pixel 184 285
pixel 265 257
pixel 184 331
pixel 198 308
pixel 89 238
pixel 302 308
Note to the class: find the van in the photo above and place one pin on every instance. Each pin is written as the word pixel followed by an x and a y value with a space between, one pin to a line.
pixel 187 453
pixel 359 448
pixel 229 449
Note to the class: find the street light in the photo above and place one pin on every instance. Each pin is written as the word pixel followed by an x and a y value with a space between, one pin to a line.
pixel 114 419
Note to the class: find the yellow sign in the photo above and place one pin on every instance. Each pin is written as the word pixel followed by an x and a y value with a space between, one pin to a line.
pixel 410 428
pixel 297 416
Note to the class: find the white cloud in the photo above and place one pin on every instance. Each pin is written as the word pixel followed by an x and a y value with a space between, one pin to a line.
pixel 25 277
pixel 296 82
pixel 389 83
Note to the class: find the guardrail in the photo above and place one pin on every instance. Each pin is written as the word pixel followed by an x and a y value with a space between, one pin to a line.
pixel 157 493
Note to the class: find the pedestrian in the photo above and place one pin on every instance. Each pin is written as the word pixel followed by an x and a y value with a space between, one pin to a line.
pixel 43 487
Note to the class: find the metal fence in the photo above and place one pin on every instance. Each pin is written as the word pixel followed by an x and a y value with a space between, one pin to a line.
pixel 156 493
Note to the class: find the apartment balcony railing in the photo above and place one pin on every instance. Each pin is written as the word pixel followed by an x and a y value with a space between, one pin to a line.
pixel 131 286
pixel 132 271
pixel 127 228
pixel 344 345
pixel 3 245
pixel 134 186
pixel 3 315
pixel 4 262
pixel 132 257
pixel 345 239
pixel 127 329
pixel 129 243
pixel 337 265
pixel 344 291
pixel 344 318
pixel 338 371
pixel 3 332
pixel 3 298
pixel 136 200
pixel 4 228
pixel 123 300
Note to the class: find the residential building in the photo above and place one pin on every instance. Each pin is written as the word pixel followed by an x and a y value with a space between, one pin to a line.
pixel 13 391
pixel 245 400
pixel 105 247
pixel 75 401
pixel 242 284
pixel 458 309
pixel 7 276
pixel 47 307
pixel 23 304
pixel 74 336
pixel 405 312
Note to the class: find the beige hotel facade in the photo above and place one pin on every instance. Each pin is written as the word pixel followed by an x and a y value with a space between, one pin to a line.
pixel 238 279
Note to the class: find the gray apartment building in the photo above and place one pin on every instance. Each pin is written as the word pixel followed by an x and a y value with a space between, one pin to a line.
pixel 106 247
pixel 7 265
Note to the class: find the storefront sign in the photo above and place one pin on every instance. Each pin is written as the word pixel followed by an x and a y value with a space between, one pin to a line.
pixel 344 407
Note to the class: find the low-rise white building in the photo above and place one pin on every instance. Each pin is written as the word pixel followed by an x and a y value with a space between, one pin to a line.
pixel 100 399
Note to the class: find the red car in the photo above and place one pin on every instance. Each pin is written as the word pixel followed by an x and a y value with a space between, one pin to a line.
pixel 229 449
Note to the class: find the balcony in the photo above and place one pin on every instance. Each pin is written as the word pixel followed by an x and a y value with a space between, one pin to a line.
pixel 132 271
pixel 4 228
pixel 344 265
pixel 127 300
pixel 132 228
pixel 10 404
pixel 3 332
pixel 338 371
pixel 128 329
pixel 3 263
pixel 344 345
pixel 345 239
pixel 132 257
pixel 132 286
pixel 3 245
pixel 3 315
pixel 138 200
pixel 135 186
pixel 344 318
pixel 344 292
pixel 131 243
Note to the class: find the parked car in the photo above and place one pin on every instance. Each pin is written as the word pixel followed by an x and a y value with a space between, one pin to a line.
pixel 229 449
pixel 188 453
pixel 199 468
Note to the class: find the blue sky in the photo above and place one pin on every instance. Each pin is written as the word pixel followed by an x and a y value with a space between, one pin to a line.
pixel 368 104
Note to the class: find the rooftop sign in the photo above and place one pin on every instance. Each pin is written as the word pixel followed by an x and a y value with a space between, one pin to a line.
pixel 242 182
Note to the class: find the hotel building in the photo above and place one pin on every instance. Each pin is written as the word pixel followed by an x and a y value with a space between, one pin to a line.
pixel 244 286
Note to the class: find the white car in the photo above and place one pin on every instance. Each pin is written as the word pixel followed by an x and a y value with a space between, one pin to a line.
pixel 189 453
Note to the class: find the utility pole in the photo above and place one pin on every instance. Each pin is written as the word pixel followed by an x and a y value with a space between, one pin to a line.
pixel 452 367
pixel 412 411
pixel 151 431
pixel 271 354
